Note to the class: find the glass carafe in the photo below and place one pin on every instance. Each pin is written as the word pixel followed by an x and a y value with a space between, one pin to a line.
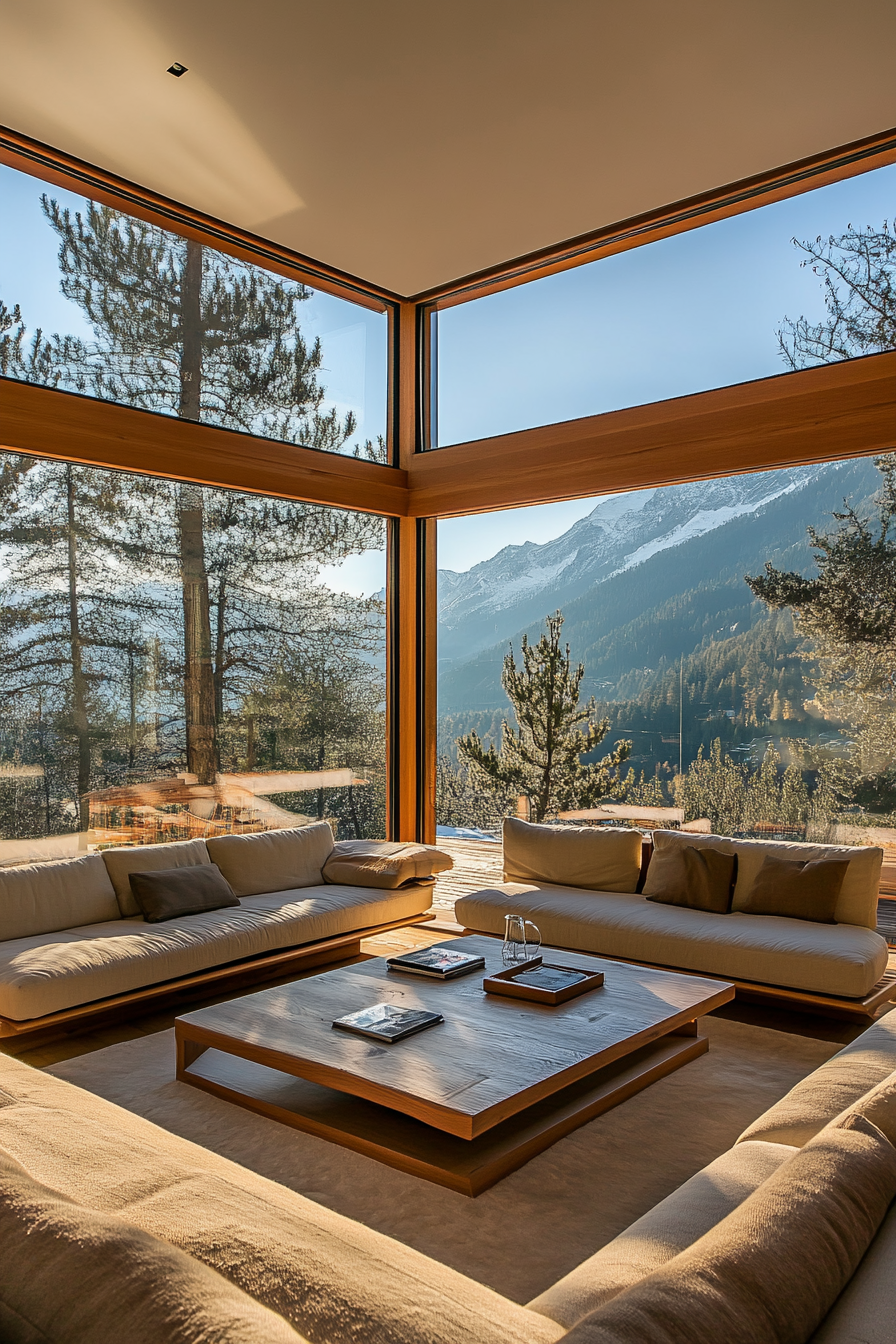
pixel 517 946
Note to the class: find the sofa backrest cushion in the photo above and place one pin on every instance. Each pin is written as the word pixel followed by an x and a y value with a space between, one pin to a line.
pixel 120 863
pixel 772 1269
pixel 598 858
pixel 273 860
pixel 46 897
pixel 76 1274
pixel 824 1094
pixel 857 902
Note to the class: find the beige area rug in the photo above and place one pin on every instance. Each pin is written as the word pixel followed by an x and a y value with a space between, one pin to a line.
pixel 541 1221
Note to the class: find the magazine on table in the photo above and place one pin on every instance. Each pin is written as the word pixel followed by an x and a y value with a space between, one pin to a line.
pixel 439 963
pixel 387 1022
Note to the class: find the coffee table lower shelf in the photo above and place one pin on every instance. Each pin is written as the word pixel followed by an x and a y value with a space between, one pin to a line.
pixel 468 1166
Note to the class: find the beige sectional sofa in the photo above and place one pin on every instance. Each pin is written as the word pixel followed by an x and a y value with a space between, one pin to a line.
pixel 72 939
pixel 111 1228
pixel 583 888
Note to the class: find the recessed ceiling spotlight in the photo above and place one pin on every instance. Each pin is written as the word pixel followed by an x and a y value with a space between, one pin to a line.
pixel 177 69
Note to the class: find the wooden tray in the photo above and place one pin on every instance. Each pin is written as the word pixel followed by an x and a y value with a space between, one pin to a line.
pixel 504 982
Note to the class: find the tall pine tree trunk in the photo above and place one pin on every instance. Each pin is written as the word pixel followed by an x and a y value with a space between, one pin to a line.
pixel 199 686
pixel 79 681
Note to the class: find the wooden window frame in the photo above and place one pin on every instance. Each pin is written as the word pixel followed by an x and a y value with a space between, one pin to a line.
pixel 827 413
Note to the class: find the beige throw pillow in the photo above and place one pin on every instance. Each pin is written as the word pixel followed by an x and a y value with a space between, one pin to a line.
pixel 384 863
pixel 696 877
pixel 769 1272
pixel 794 889
pixel 598 858
pixel 73 1274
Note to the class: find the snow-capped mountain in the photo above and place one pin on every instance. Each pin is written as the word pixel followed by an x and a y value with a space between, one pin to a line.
pixel 521 584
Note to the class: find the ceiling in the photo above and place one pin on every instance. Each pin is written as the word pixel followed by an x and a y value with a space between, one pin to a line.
pixel 411 143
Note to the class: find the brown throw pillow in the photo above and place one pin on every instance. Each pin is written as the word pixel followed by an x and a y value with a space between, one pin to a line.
pixel 170 892
pixel 700 879
pixel 794 890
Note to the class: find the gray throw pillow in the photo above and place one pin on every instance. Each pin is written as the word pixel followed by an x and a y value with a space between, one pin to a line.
pixel 794 890
pixel 169 892
pixel 697 878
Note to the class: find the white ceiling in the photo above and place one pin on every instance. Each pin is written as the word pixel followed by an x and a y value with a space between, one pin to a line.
pixel 411 142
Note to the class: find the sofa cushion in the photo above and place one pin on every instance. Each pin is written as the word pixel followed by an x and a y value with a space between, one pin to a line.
pixel 44 897
pixel 598 858
pixel 71 1273
pixel 273 860
pixel 171 892
pixel 336 1281
pixel 695 877
pixel 857 902
pixel 796 889
pixel 384 863
pixel 821 958
pixel 865 1311
pixel 47 974
pixel 769 1272
pixel 120 863
pixel 836 1085
pixel 668 1229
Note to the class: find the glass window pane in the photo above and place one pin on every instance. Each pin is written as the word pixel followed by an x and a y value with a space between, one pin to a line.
pixel 178 661
pixel 691 312
pixel 754 705
pixel 115 308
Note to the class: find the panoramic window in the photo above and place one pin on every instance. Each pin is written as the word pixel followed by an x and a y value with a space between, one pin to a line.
pixel 788 285
pixel 179 661
pixel 729 666
pixel 95 301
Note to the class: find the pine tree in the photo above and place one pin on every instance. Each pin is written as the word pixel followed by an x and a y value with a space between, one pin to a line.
pixel 64 633
pixel 848 611
pixel 542 758
pixel 187 331
pixel 714 786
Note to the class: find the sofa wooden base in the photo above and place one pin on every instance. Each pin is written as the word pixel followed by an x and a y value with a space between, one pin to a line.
pixel 235 975
pixel 802 1000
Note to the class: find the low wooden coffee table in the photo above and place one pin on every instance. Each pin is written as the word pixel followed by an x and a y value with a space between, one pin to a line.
pixel 467 1101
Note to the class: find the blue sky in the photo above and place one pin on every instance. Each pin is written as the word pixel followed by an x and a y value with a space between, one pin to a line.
pixel 691 312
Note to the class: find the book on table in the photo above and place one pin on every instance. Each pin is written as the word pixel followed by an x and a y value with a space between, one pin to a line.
pixel 439 963
pixel 387 1022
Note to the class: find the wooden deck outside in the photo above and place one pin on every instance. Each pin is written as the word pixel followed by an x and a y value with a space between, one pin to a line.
pixel 477 864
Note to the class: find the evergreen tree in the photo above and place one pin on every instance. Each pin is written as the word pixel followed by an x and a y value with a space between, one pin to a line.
pixel 714 786
pixel 185 330
pixel 542 758
pixel 64 631
pixel 848 611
